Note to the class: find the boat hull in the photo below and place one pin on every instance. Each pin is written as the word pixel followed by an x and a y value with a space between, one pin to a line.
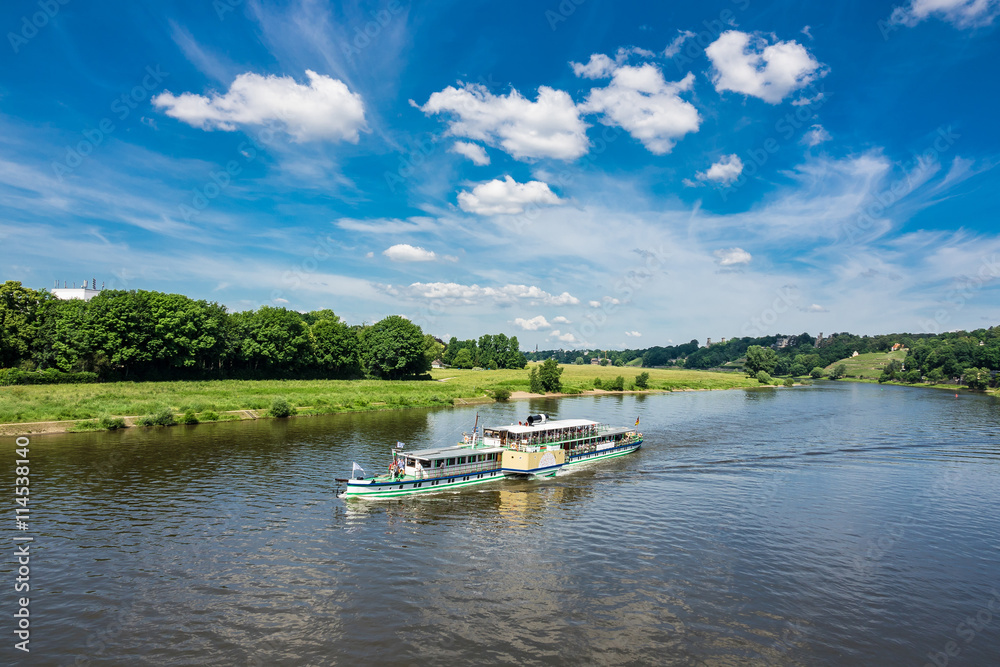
pixel 603 454
pixel 374 488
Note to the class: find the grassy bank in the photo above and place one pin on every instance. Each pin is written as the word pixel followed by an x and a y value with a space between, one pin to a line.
pixel 210 400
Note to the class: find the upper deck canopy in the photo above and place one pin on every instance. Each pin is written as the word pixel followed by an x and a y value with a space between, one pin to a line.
pixel 541 427
pixel 448 452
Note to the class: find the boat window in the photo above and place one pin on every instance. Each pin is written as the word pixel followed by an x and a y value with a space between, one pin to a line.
pixel 451 462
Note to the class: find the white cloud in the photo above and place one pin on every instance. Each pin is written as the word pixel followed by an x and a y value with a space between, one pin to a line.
pixel 473 294
pixel 747 64
pixel 961 13
pixel 641 101
pixel 612 300
pixel 567 337
pixel 324 109
pixel 816 135
pixel 506 197
pixel 599 66
pixel 474 152
pixel 633 334
pixel 560 320
pixel 551 127
pixel 594 304
pixel 725 171
pixel 816 308
pixel 732 256
pixel 534 324
pixel 675 46
pixel 403 252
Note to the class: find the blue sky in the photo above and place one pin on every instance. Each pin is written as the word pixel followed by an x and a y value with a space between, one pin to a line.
pixel 577 173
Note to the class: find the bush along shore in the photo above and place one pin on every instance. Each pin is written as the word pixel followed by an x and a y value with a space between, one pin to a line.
pixel 109 406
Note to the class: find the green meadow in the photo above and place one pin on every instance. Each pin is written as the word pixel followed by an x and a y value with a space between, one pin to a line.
pixel 210 400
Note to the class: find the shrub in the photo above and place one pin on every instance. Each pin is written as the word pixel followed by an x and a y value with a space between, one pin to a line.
pixel 281 408
pixel 189 417
pixel 764 378
pixel 597 383
pixel 618 384
pixel 535 382
pixel 145 420
pixel 789 382
pixel 111 423
pixel 501 394
pixel 164 417
pixel 816 373
pixel 642 380
pixel 209 416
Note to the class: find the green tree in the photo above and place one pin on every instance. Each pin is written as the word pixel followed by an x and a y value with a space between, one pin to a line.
pixel 535 385
pixel 760 359
pixel 840 371
pixel 19 310
pixel 816 373
pixel 275 340
pixel 642 380
pixel 335 347
pixel 764 378
pixel 797 370
pixel 976 378
pixel 393 348
pixel 579 361
pixel 463 359
pixel 432 349
pixel 548 375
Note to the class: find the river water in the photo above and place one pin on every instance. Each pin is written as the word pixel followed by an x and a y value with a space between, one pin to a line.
pixel 838 524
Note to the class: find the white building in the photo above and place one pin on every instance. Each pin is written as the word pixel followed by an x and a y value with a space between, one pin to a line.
pixel 74 292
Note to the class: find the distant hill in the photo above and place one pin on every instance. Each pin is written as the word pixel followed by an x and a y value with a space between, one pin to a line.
pixel 869 365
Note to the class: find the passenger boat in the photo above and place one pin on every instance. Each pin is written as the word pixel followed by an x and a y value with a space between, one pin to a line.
pixel 540 447
pixel 470 462
pixel 536 448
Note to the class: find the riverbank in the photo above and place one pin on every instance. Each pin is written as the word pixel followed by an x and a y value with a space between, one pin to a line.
pixel 58 408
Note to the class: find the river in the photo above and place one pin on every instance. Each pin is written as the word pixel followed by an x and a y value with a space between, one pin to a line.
pixel 838 524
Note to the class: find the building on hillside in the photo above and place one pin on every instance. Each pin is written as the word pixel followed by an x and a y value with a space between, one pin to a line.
pixel 437 363
pixel 83 292
pixel 855 354
pixel 595 361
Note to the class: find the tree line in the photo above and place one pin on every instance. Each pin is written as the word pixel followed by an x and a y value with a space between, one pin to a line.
pixel 932 357
pixel 149 335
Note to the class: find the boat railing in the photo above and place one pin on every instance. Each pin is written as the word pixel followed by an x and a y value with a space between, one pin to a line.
pixel 462 469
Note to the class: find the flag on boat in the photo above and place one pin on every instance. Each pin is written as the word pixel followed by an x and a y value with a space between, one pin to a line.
pixel 357 468
pixel 636 421
pixel 399 445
